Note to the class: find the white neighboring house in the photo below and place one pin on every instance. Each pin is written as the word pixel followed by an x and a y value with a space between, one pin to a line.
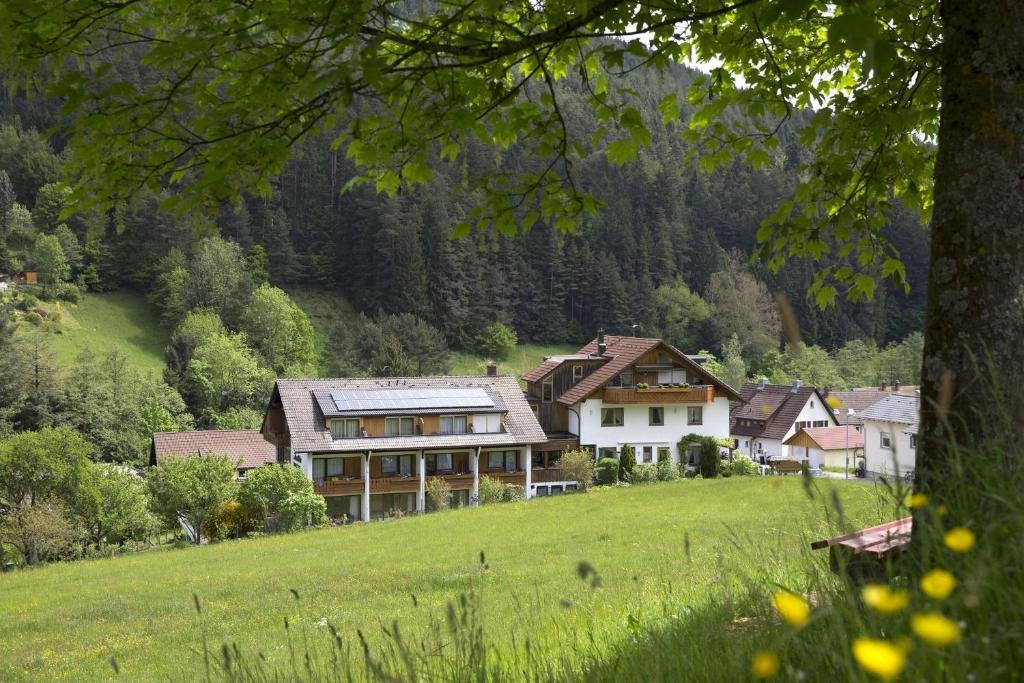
pixel 836 447
pixel 771 414
pixel 890 435
pixel 619 391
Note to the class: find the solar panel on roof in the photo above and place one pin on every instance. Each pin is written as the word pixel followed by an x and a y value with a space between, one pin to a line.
pixel 352 400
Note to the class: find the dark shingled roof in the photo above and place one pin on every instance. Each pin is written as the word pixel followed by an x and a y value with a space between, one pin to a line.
pixel 309 433
pixel 247 444
pixel 776 405
pixel 623 352
pixel 895 408
pixel 858 400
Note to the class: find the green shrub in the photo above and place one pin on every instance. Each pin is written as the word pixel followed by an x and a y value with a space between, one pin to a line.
pixel 627 461
pixel 607 470
pixel 643 474
pixel 302 509
pixel 511 493
pixel 439 493
pixel 67 291
pixel 709 462
pixel 230 520
pixel 490 490
pixel 666 470
pixel 743 466
pixel 496 341
pixel 578 466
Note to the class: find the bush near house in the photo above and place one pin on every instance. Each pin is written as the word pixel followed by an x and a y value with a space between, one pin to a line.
pixel 578 465
pixel 607 471
pixel 666 470
pixel 643 474
pixel 743 466
pixel 709 462
pixel 439 493
pixel 627 461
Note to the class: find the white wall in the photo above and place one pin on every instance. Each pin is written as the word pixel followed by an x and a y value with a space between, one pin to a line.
pixel 889 461
pixel 813 410
pixel 637 432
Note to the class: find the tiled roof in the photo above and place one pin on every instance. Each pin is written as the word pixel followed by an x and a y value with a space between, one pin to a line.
pixel 858 400
pixel 831 438
pixel 308 432
pixel 247 444
pixel 623 352
pixel 778 405
pixel 542 370
pixel 894 408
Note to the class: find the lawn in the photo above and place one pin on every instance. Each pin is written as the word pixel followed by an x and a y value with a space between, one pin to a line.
pixel 524 358
pixel 102 322
pixel 655 547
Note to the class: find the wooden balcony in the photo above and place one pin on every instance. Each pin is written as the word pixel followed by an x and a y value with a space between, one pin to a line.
pixel 354 486
pixel 547 475
pixel 702 394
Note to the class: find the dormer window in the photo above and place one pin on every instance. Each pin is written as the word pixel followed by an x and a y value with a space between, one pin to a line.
pixel 345 429
pixel 453 424
pixel 626 379
pixel 398 426
pixel 547 390
pixel 577 373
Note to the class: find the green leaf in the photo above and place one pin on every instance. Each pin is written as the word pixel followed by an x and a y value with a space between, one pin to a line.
pixel 826 296
pixel 669 108
pixel 622 151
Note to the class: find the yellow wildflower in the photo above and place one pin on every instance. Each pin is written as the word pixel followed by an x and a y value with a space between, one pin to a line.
pixel 793 609
pixel 881 598
pixel 916 500
pixel 764 665
pixel 938 584
pixel 879 657
pixel 935 629
pixel 959 539
pixel 942 510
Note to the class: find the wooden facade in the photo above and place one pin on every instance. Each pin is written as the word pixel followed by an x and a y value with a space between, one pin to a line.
pixel 622 395
pixel 554 416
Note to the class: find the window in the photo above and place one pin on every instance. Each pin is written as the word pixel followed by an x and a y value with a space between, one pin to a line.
pixel 503 460
pixel 626 378
pixel 547 391
pixel 913 442
pixel 327 467
pixel 577 373
pixel 656 416
pixel 606 452
pixel 438 462
pixel 487 424
pixel 648 453
pixel 397 426
pixel 344 429
pixel 664 453
pixel 812 402
pixel 695 415
pixel 612 417
pixel 554 459
pixel 389 464
pixel 885 440
pixel 537 460
pixel 453 424
pixel 693 454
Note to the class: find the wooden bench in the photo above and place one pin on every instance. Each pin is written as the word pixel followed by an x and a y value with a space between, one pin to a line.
pixel 786 466
pixel 865 553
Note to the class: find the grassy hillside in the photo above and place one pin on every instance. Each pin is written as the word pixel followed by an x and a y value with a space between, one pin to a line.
pixel 656 548
pixel 522 360
pixel 325 310
pixel 104 321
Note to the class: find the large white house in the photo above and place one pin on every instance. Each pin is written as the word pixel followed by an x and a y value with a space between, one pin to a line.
pixel 771 413
pixel 890 435
pixel 619 391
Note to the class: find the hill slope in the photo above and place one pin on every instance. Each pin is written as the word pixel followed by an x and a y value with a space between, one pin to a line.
pixel 138 609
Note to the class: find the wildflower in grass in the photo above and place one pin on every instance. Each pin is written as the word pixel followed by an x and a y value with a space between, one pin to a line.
pixel 793 609
pixel 764 665
pixel 879 657
pixel 935 629
pixel 916 500
pixel 959 539
pixel 881 598
pixel 942 510
pixel 938 584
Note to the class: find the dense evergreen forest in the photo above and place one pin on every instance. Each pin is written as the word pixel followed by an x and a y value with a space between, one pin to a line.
pixel 669 255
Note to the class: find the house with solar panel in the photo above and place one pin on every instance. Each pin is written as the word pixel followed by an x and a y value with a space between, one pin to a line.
pixel 619 391
pixel 371 445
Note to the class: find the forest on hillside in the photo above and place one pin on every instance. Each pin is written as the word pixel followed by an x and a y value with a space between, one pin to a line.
pixel 668 255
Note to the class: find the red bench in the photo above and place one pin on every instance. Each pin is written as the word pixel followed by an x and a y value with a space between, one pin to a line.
pixel 864 553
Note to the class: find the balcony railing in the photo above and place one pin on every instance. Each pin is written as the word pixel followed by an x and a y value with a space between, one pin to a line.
pixel 700 394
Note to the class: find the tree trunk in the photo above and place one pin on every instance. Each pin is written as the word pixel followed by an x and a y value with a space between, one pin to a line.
pixel 973 373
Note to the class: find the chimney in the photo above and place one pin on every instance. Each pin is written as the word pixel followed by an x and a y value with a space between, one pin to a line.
pixel 762 383
pixel 635 327
pixel 896 386
pixel 796 386
pixel 883 386
pixel 601 346
pixel 492 369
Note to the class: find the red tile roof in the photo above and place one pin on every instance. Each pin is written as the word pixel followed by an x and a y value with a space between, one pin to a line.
pixel 830 438
pixel 623 352
pixel 247 444
pixel 775 406
pixel 541 371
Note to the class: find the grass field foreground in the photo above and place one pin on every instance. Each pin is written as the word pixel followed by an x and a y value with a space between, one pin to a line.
pixel 655 548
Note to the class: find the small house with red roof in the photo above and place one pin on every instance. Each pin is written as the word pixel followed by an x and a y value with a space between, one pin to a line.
pixel 772 413
pixel 246 447
pixel 820 447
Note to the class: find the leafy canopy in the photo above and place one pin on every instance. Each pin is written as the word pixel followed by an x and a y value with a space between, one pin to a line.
pixel 235 85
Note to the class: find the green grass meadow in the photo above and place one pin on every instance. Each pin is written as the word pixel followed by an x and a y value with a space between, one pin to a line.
pixel 656 549
pixel 524 358
pixel 102 322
